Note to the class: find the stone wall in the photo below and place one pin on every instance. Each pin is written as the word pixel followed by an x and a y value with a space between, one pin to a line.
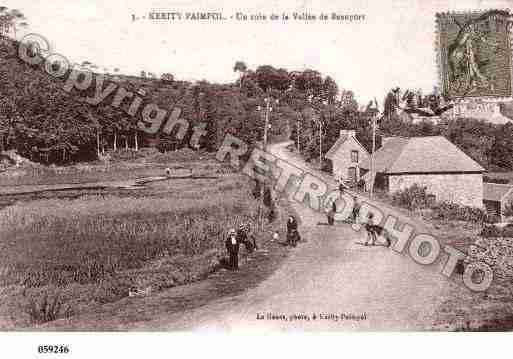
pixel 463 189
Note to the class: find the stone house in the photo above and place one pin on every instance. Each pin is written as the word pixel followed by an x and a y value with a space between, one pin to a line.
pixel 345 155
pixel 447 172
pixel 496 197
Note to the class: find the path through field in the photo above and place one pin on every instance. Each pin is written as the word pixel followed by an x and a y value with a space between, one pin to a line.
pixel 328 274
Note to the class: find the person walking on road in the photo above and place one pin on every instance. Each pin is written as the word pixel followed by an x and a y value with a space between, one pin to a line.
pixel 232 246
pixel 292 233
pixel 331 213
pixel 371 231
pixel 356 209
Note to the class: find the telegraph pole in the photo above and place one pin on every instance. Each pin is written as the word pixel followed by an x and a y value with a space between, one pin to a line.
pixel 298 129
pixel 268 110
pixel 375 114
pixel 372 153
pixel 320 144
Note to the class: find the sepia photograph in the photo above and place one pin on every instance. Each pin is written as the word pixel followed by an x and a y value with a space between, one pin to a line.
pixel 216 168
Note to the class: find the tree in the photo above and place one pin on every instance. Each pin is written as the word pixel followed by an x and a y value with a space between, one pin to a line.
pixel 311 83
pixel 167 78
pixel 11 20
pixel 269 78
pixel 240 66
pixel 329 90
pixel 8 120
pixel 347 100
pixel 502 148
pixel 391 103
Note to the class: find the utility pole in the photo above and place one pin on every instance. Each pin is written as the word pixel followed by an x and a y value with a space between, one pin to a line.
pixel 320 144
pixel 298 130
pixel 372 154
pixel 375 114
pixel 268 110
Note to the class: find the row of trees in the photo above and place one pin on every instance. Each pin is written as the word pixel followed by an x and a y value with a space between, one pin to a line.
pixel 44 123
pixel 10 21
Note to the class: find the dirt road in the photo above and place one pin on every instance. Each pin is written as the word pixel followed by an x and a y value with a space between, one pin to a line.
pixel 329 282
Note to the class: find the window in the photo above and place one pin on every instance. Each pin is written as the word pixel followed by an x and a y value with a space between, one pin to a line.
pixel 354 156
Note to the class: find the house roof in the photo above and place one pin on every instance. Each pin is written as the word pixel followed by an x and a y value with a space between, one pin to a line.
pixel 338 143
pixel 432 154
pixel 496 191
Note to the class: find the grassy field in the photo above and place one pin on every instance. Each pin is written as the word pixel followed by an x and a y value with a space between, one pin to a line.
pixel 61 255
pixel 124 165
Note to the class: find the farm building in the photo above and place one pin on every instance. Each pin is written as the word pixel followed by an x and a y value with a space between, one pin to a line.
pixel 346 154
pixel 448 173
pixel 496 197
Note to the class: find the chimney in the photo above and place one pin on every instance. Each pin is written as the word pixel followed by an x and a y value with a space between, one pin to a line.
pixel 348 133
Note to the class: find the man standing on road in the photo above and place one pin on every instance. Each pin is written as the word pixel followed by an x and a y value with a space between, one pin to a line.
pixel 232 246
pixel 331 213
pixel 356 209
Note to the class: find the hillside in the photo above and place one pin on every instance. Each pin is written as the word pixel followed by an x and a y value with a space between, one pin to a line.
pixel 45 123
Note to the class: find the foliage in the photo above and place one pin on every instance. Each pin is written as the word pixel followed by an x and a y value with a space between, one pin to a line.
pixel 44 124
pixel 167 78
pixel 492 231
pixel 452 211
pixel 45 308
pixel 412 197
pixel 508 209
pixel 10 20
pixel 268 199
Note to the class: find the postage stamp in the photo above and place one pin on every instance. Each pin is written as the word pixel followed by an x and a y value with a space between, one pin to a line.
pixel 474 53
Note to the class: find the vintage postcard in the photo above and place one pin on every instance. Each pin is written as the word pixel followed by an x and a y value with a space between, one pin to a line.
pixel 193 166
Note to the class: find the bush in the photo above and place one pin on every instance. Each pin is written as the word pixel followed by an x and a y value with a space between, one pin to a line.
pixel 47 310
pixel 412 197
pixel 112 289
pixel 268 198
pixel 453 211
pixel 496 232
pixel 508 209
pixel 491 232
pixel 508 231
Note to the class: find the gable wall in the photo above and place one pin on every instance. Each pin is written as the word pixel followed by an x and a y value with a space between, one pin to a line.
pixel 342 158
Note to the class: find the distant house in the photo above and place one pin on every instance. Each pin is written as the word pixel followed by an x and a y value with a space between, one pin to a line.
pixel 448 173
pixel 496 196
pixel 346 154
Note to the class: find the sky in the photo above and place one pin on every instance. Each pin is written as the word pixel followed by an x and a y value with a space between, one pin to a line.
pixel 393 46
